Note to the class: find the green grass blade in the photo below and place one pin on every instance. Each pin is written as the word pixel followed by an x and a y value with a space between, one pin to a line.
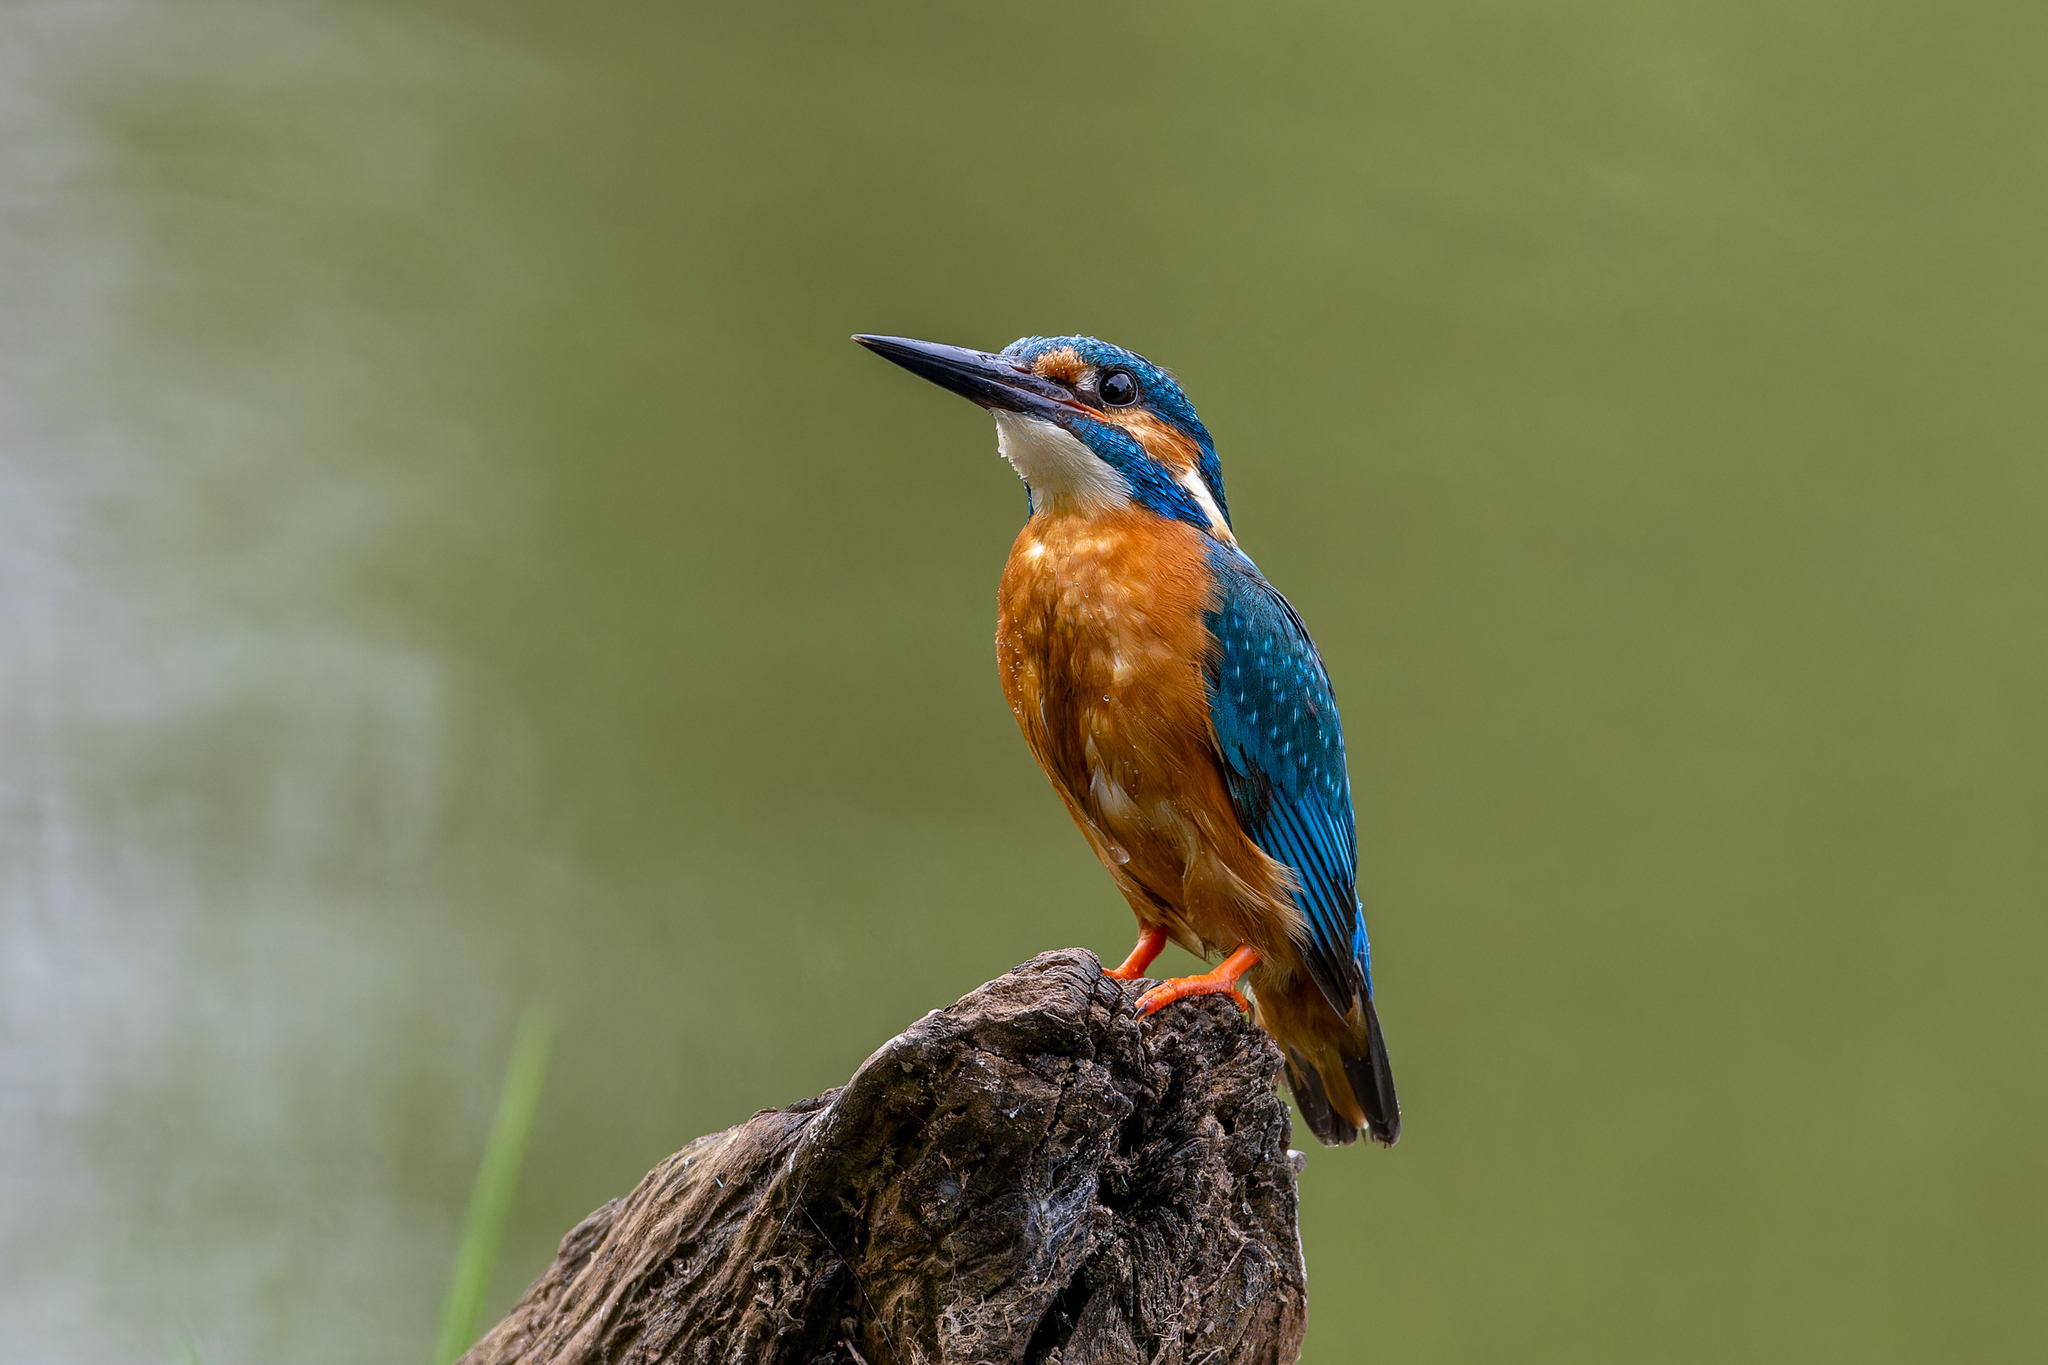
pixel 491 1200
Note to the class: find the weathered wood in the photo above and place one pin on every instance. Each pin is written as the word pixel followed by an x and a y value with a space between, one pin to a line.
pixel 1033 1175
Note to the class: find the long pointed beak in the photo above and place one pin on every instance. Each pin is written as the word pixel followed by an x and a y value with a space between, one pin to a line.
pixel 977 376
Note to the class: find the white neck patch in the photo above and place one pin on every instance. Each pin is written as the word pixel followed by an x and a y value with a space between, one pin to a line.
pixel 1057 468
pixel 1204 499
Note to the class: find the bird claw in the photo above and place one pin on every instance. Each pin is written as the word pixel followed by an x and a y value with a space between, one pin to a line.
pixel 1222 981
pixel 1181 987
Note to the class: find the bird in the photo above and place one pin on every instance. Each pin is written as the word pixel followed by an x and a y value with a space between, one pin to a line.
pixel 1178 706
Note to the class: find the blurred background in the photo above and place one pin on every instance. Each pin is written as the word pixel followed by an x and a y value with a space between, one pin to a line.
pixel 452 560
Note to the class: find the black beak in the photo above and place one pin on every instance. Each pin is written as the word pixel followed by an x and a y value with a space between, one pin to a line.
pixel 976 376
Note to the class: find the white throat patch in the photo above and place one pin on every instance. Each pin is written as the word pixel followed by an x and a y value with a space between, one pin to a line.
pixel 1059 470
pixel 1204 499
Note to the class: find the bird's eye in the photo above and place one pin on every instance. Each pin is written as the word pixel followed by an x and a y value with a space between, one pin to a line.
pixel 1118 389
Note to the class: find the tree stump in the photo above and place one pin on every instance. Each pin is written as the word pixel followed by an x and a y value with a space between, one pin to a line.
pixel 1034 1175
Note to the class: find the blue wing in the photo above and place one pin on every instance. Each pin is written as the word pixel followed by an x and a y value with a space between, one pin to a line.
pixel 1283 755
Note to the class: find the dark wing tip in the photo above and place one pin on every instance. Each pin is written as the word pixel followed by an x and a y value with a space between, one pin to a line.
pixel 1372 1078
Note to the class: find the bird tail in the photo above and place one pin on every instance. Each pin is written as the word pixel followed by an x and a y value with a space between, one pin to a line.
pixel 1339 1071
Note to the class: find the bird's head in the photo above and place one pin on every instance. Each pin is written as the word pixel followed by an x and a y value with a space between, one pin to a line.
pixel 1088 426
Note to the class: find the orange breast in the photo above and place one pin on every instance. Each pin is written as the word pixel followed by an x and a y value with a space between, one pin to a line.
pixel 1100 639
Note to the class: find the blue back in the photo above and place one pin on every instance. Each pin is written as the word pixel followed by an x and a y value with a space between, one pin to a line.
pixel 1283 754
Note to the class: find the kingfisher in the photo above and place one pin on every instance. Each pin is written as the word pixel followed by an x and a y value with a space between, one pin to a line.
pixel 1175 701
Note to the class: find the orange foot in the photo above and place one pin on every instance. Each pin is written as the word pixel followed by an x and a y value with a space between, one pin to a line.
pixel 1222 981
pixel 1149 945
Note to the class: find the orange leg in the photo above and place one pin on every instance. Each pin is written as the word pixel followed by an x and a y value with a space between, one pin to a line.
pixel 1149 944
pixel 1222 981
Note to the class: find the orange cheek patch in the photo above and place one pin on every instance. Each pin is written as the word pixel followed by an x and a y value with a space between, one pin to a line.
pixel 1164 443
pixel 1064 365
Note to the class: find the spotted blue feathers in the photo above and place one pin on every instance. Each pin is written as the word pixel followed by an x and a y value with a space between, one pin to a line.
pixel 1282 743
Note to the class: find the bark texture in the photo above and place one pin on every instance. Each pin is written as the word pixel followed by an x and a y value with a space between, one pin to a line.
pixel 1033 1175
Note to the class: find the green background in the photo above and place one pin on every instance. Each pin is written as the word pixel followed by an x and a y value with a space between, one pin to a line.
pixel 455 560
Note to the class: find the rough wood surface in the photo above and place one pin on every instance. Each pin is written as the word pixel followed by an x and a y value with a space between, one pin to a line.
pixel 1033 1175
